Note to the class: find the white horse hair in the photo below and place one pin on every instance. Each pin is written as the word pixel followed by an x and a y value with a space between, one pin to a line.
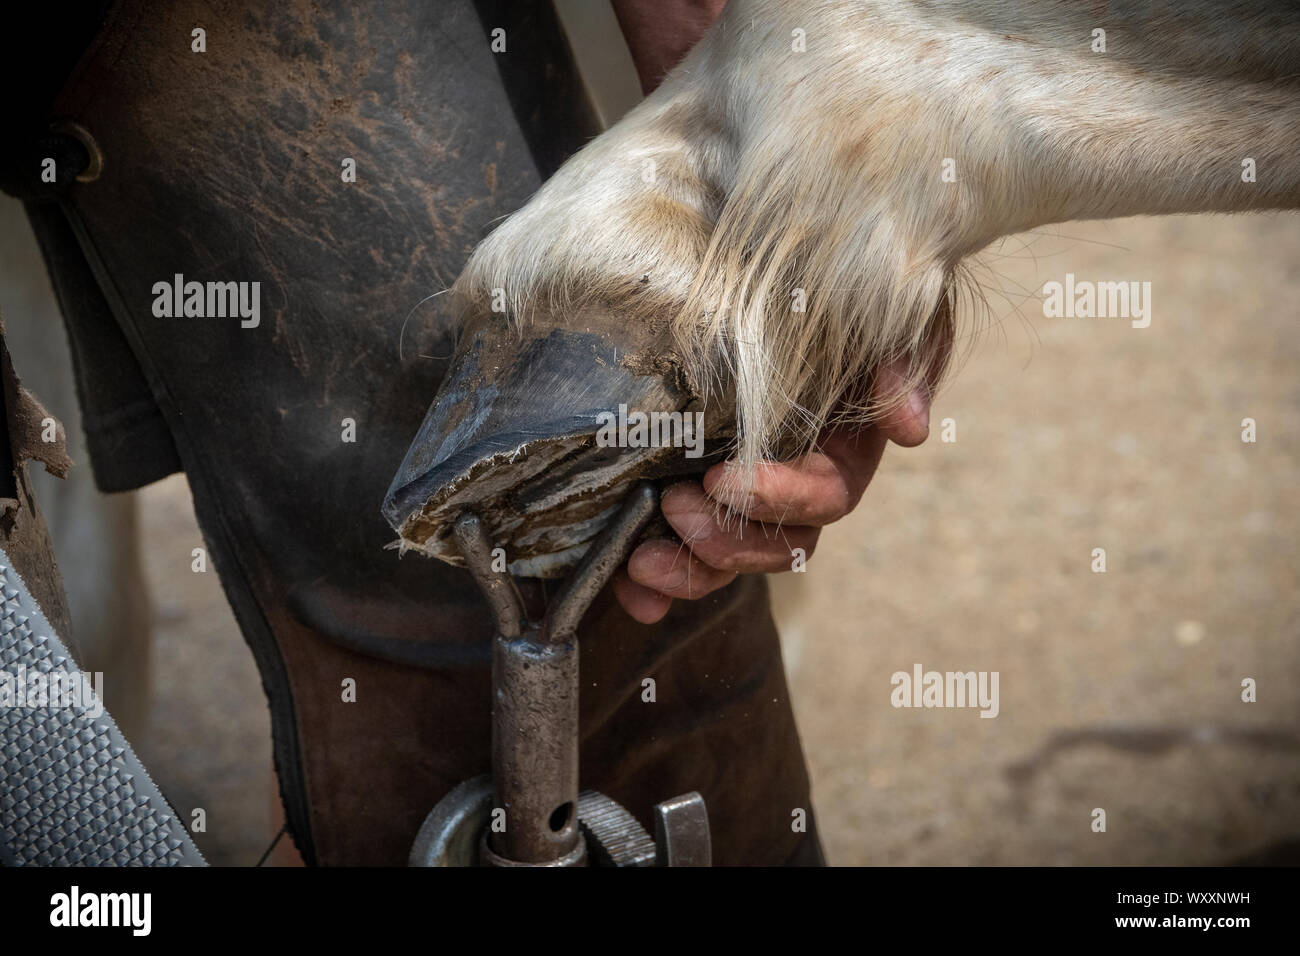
pixel 802 190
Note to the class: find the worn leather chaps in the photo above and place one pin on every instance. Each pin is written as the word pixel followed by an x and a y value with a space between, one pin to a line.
pixel 226 166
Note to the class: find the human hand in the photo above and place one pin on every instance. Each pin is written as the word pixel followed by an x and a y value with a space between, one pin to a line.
pixel 789 505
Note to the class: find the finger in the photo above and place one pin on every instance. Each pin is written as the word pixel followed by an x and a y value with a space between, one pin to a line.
pixel 812 490
pixel 904 423
pixel 641 603
pixel 731 543
pixel 670 569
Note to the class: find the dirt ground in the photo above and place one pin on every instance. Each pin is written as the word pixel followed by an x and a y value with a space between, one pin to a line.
pixel 1119 691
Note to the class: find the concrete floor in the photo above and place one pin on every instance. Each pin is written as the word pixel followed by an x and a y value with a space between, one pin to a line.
pixel 209 738
pixel 1119 691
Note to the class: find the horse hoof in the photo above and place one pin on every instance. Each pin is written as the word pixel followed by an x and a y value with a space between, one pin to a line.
pixel 515 435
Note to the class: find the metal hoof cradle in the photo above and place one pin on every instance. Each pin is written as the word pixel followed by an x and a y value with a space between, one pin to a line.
pixel 530 812
pixel 455 831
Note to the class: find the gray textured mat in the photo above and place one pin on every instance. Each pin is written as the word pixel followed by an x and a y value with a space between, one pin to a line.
pixel 72 792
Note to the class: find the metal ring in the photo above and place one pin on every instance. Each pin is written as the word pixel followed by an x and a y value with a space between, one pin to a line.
pixel 575 857
pixel 450 833
pixel 95 166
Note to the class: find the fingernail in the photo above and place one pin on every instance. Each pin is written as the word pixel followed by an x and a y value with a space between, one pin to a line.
pixel 640 571
pixel 697 527
pixel 686 517
pixel 675 578
pixel 742 503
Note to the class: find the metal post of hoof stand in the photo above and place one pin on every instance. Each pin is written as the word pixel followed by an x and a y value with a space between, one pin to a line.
pixel 535 735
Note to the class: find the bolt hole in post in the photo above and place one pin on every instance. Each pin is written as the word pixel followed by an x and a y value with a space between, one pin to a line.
pixel 560 817
pixel 535 691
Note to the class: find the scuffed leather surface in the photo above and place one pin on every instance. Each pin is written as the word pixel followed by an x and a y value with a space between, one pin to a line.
pixel 226 166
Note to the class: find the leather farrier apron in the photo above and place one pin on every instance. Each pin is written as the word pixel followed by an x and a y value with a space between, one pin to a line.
pixel 226 165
